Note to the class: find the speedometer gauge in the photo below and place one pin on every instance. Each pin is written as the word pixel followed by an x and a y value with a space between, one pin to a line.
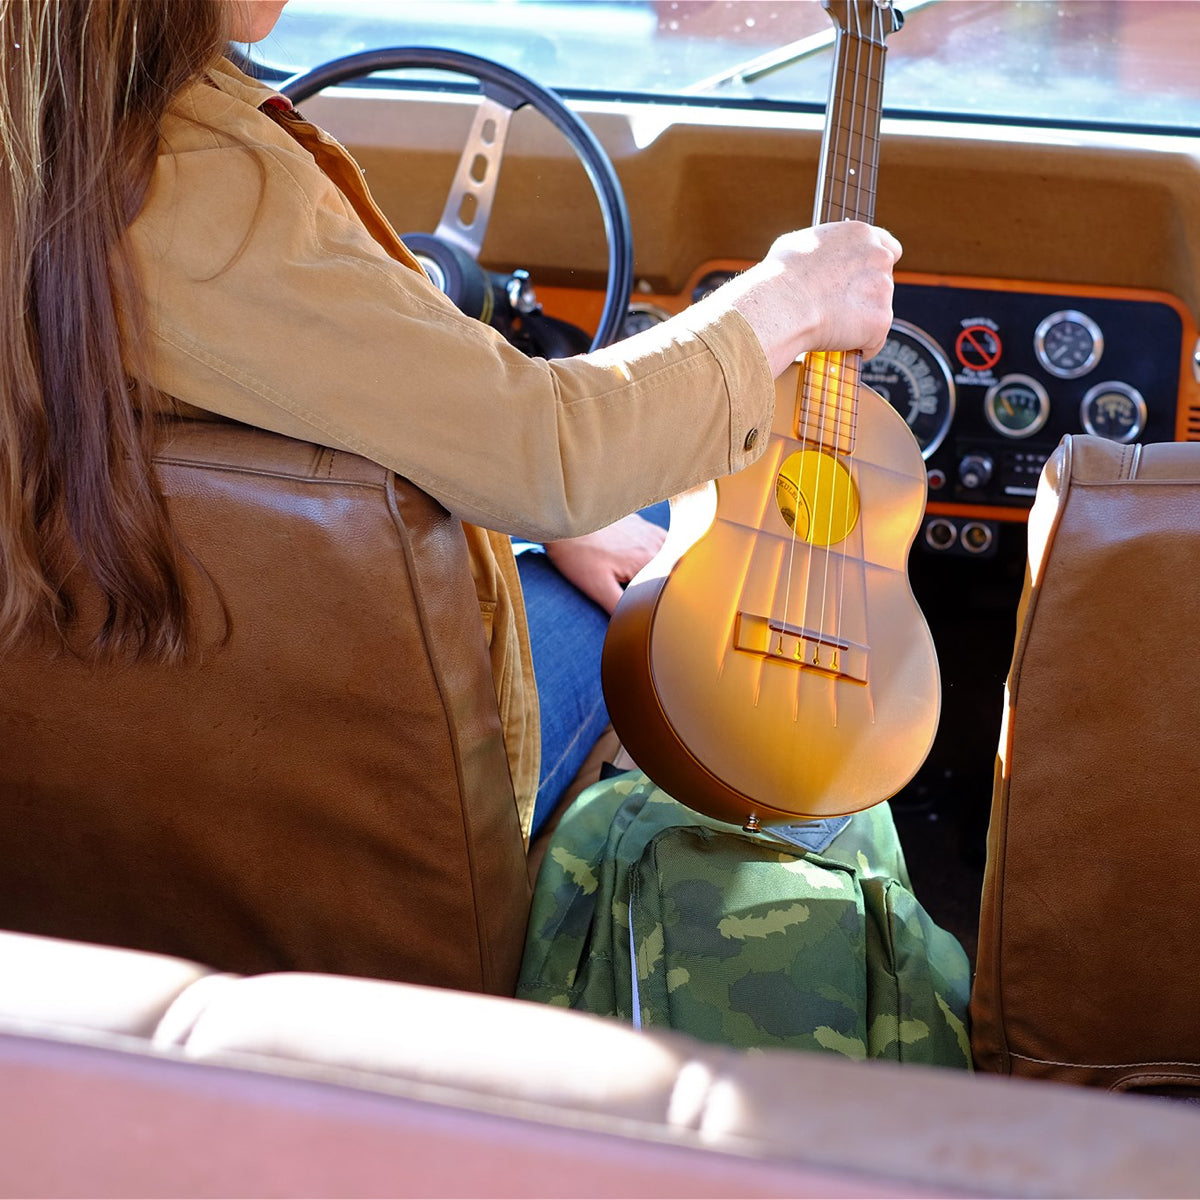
pixel 912 374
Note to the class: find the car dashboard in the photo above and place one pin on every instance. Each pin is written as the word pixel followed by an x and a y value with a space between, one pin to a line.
pixel 1050 284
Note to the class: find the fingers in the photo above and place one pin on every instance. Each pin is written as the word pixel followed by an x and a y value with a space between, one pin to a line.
pixel 856 304
pixel 600 564
pixel 824 288
pixel 646 540
pixel 890 243
pixel 869 352
pixel 608 594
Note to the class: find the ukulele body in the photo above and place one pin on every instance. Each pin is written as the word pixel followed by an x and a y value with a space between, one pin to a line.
pixel 763 673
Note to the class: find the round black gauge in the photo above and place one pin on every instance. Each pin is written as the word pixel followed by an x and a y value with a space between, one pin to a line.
pixel 640 316
pixel 1017 406
pixel 709 284
pixel 1113 410
pixel 912 374
pixel 1068 344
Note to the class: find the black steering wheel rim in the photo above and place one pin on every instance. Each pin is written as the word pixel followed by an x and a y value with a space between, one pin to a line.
pixel 514 91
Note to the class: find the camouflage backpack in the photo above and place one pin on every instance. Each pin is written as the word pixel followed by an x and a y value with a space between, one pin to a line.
pixel 647 911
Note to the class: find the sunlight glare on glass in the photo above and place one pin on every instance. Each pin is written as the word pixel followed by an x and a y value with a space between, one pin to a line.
pixel 1112 62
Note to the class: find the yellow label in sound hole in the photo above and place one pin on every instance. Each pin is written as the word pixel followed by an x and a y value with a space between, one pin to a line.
pixel 816 497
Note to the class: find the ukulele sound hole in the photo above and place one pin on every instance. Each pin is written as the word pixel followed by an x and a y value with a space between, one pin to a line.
pixel 816 497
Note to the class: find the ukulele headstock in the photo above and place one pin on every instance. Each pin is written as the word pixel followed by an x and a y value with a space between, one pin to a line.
pixel 871 20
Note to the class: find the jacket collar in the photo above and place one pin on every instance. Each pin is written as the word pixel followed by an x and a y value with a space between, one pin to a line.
pixel 224 76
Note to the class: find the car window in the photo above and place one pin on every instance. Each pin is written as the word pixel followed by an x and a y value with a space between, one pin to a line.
pixel 1111 62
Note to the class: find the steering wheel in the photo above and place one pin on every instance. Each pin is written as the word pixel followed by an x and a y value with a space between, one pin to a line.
pixel 451 252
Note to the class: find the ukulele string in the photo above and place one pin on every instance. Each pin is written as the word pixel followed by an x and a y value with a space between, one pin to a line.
pixel 850 360
pixel 815 403
pixel 802 387
pixel 830 415
pixel 842 396
pixel 843 123
pixel 876 56
pixel 804 401
pixel 821 367
pixel 869 158
pixel 864 207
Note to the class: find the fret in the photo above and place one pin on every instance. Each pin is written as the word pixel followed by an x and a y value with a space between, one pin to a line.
pixel 827 406
pixel 827 402
pixel 857 115
pixel 850 153
pixel 851 172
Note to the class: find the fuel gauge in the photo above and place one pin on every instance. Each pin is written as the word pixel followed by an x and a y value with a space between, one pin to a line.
pixel 1017 406
pixel 1113 410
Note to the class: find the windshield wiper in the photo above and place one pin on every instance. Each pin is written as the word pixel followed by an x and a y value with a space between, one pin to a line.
pixel 762 65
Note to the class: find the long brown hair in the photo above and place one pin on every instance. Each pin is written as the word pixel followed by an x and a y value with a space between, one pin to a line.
pixel 84 85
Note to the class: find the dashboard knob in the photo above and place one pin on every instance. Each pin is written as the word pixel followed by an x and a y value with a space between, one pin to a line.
pixel 975 470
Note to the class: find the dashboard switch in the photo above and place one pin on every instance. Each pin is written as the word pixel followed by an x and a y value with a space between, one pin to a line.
pixel 975 471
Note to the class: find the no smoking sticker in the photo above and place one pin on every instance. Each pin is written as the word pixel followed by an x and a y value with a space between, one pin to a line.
pixel 978 348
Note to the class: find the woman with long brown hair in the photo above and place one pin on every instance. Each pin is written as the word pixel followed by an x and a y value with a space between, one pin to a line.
pixel 84 89
pixel 179 240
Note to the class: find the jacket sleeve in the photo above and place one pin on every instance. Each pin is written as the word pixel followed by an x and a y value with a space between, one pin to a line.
pixel 267 301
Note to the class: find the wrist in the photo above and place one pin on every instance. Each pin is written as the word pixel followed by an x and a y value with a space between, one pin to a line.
pixel 777 310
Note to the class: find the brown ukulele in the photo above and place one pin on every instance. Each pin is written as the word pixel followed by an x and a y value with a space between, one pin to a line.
pixel 771 663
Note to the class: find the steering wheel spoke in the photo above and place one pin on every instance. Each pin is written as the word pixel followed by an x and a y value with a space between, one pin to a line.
pixel 468 208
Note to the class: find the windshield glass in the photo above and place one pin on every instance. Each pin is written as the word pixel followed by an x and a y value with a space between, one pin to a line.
pixel 1115 62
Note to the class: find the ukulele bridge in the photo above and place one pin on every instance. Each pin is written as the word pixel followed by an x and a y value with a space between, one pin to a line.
pixel 800 646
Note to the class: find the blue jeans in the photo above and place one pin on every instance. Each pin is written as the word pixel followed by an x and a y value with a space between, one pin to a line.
pixel 566 632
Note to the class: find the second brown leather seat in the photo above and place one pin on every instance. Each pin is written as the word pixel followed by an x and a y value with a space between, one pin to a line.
pixel 1087 960
pixel 326 791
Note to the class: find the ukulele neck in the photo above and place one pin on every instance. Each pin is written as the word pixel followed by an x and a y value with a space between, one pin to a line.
pixel 850 146
pixel 827 406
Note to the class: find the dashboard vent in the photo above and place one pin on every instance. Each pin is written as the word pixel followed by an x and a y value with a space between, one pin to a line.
pixel 1193 423
pixel 1193 412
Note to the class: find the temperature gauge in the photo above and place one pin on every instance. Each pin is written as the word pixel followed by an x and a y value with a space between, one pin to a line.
pixel 1113 410
pixel 1068 344
pixel 1017 406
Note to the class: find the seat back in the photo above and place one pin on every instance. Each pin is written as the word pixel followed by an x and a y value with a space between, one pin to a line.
pixel 326 790
pixel 1087 965
pixel 127 1074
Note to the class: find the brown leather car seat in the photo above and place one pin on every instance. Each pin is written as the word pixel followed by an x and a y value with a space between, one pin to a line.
pixel 1087 954
pixel 327 791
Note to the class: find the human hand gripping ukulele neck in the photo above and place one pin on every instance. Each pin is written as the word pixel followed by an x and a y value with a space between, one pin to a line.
pixel 824 288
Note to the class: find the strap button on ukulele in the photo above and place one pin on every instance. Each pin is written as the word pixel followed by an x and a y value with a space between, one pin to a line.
pixel 771 663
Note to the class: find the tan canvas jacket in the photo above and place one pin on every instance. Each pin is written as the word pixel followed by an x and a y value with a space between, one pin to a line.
pixel 277 294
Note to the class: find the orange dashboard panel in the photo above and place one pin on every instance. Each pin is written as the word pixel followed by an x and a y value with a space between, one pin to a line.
pixel 990 374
